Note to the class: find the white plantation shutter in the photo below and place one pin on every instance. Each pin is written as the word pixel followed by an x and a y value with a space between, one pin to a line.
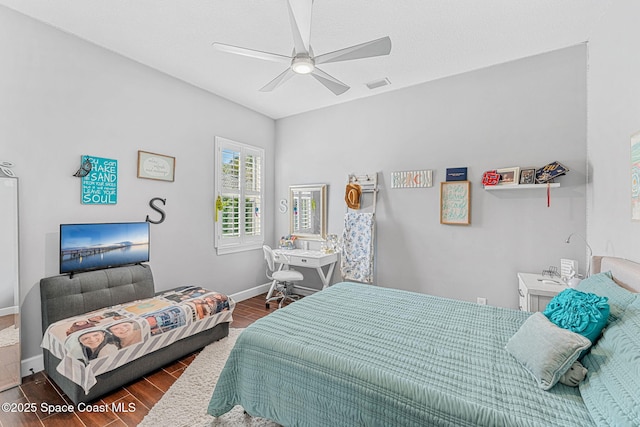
pixel 239 169
pixel 303 212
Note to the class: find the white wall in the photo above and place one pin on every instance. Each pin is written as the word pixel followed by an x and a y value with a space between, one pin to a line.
pixel 614 114
pixel 60 98
pixel 524 113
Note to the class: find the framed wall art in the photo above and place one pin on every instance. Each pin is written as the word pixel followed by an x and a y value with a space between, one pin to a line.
pixel 412 179
pixel 455 202
pixel 156 166
pixel 99 180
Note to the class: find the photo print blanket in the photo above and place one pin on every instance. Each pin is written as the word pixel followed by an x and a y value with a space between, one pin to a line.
pixel 97 342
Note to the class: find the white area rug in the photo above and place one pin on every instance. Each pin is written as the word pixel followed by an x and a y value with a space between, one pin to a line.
pixel 9 336
pixel 185 403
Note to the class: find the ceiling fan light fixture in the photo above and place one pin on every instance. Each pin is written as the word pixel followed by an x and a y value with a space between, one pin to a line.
pixel 302 65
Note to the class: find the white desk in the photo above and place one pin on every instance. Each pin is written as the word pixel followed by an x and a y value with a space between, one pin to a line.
pixel 308 259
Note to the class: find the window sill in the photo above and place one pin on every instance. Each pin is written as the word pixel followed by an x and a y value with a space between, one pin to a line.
pixel 224 250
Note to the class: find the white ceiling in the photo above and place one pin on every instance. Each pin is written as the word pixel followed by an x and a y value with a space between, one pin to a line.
pixel 431 39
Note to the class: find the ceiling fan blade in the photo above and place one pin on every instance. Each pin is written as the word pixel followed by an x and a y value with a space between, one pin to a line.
pixel 252 53
pixel 331 83
pixel 300 16
pixel 377 47
pixel 282 77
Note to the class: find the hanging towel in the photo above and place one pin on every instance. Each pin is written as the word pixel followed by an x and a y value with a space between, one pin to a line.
pixel 356 261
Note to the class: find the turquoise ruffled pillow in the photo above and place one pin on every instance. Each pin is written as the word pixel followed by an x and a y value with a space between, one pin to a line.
pixel 580 312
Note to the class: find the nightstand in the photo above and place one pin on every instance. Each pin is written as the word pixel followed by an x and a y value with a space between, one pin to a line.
pixel 534 294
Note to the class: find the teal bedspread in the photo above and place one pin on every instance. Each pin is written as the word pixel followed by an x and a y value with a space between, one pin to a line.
pixel 360 355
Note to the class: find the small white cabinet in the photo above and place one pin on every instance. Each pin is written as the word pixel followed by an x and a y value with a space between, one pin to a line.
pixel 534 294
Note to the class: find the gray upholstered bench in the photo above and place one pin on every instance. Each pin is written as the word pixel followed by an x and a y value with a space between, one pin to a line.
pixel 66 296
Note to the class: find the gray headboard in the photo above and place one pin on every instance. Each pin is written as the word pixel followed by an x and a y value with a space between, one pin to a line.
pixel 66 296
pixel 625 273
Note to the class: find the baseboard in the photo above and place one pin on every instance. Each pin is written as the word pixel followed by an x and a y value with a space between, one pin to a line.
pixel 9 310
pixel 37 362
pixel 250 293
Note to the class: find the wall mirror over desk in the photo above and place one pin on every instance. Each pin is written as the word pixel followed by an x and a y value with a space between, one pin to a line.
pixel 308 211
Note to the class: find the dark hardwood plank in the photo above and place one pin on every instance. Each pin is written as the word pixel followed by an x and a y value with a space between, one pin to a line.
pixel 63 419
pixel 145 392
pixel 161 379
pixel 133 411
pixel 98 414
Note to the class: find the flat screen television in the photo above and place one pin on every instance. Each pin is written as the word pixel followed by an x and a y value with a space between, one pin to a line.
pixel 86 247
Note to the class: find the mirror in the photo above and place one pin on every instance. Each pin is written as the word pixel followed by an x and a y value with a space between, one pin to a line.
pixel 9 301
pixel 308 211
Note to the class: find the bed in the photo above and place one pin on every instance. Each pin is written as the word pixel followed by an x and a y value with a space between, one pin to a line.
pixel 357 354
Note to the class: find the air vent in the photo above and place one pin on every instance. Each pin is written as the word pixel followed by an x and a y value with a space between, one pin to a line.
pixel 378 83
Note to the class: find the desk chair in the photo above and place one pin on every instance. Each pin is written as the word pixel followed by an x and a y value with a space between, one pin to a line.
pixel 282 279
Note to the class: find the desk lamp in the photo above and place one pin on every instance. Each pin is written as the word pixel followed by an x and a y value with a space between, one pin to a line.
pixel 588 247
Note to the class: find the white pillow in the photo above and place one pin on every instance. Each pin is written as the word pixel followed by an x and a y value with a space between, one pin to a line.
pixel 545 350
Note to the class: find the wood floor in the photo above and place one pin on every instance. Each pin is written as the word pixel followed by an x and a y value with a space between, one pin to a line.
pixel 141 394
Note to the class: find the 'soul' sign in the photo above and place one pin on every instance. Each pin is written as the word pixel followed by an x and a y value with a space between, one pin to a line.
pixel 100 185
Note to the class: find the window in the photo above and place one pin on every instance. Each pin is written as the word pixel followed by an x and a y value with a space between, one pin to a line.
pixel 239 195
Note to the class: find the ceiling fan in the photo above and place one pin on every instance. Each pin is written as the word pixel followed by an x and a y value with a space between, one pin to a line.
pixel 303 61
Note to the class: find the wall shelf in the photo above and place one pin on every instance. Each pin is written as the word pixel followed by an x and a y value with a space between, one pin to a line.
pixel 521 186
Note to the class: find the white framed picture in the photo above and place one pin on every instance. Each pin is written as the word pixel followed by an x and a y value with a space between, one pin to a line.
pixel 156 166
pixel 509 176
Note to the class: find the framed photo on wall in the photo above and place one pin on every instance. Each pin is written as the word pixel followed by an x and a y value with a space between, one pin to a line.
pixel 455 202
pixel 156 166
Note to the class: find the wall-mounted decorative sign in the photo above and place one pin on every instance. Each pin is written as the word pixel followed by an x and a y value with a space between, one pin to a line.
pixel 549 172
pixel 635 177
pixel 163 215
pixel 156 166
pixel 100 184
pixel 456 174
pixel 455 202
pixel 490 178
pixel 412 179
